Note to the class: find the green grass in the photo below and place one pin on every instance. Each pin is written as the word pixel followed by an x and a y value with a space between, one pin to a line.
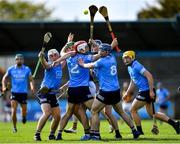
pixel 26 132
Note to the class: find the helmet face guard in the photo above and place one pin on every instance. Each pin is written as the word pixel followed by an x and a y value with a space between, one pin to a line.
pixel 105 47
pixel 51 52
pixel 98 42
pixel 80 45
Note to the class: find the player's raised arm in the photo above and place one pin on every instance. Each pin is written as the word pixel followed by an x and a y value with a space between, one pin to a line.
pixel 87 65
pixel 63 57
pixel 43 60
pixel 114 43
pixel 69 45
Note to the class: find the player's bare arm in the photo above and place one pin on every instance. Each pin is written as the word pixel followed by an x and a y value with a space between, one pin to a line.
pixel 66 46
pixel 4 82
pixel 87 65
pixel 31 82
pixel 43 60
pixel 129 90
pixel 114 43
pixel 63 57
pixel 63 64
pixel 149 77
pixel 96 57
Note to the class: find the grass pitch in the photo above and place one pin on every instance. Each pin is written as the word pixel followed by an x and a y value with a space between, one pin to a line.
pixel 26 132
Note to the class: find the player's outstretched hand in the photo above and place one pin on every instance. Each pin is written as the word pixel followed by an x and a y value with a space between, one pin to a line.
pixel 114 43
pixel 81 62
pixel 41 54
pixel 70 37
pixel 54 63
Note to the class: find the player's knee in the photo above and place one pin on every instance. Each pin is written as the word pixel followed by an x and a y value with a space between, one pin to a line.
pixel 57 117
pixel 156 115
pixel 69 113
pixel 94 111
pixel 107 112
pixel 133 110
pixel 13 112
pixel 47 113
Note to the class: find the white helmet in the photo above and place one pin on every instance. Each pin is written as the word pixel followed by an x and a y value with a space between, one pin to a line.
pixel 52 51
pixel 80 45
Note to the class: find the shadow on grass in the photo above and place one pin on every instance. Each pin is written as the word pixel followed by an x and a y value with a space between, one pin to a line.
pixel 120 140
pixel 143 139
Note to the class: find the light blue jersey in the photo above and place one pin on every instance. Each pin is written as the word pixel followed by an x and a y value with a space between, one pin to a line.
pixel 19 78
pixel 136 71
pixel 78 76
pixel 52 77
pixel 162 95
pixel 107 73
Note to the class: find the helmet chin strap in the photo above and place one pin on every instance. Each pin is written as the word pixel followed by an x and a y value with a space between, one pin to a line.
pixel 131 63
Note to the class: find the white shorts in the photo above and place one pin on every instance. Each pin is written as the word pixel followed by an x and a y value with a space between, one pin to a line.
pixel 126 106
pixel 92 88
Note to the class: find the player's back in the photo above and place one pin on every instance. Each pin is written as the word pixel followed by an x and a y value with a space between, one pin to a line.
pixel 78 76
pixel 107 73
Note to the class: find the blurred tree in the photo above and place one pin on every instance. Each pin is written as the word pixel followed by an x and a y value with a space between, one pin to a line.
pixel 165 9
pixel 22 10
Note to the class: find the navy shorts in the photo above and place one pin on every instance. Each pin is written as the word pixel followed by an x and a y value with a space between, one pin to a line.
pixel 163 106
pixel 144 96
pixel 78 95
pixel 19 97
pixel 110 97
pixel 48 98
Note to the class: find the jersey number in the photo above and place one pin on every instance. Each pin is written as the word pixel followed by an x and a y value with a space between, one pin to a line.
pixel 75 69
pixel 113 70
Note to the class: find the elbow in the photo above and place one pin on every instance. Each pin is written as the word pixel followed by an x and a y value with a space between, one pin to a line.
pixel 150 76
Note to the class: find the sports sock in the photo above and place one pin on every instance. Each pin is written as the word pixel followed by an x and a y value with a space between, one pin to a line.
pixel 87 131
pixel 96 133
pixel 38 132
pixel 171 122
pixel 74 126
pixel 52 133
pixel 117 133
pixel 139 128
pixel 133 129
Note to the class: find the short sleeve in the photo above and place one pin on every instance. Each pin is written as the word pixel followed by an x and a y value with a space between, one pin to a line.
pixel 89 58
pixel 29 71
pixel 140 68
pixel 167 92
pixel 9 71
pixel 98 63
